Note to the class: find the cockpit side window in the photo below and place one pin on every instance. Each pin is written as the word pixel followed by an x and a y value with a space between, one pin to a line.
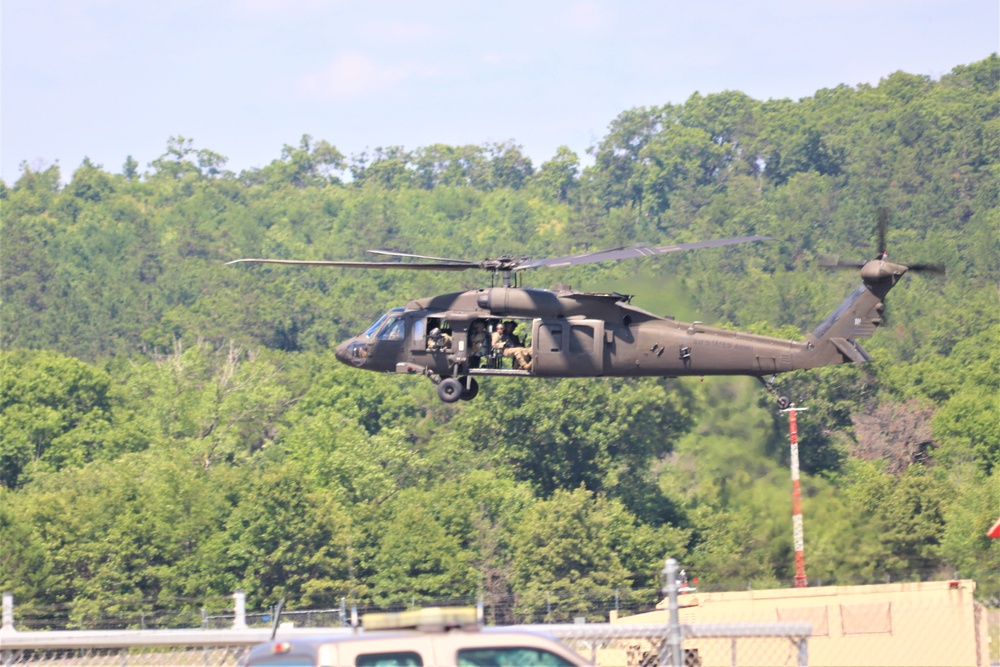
pixel 393 329
pixel 374 327
pixel 370 331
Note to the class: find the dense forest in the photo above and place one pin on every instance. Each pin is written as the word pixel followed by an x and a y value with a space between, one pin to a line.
pixel 173 429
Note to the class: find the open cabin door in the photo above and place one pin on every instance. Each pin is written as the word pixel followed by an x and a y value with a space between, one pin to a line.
pixel 567 348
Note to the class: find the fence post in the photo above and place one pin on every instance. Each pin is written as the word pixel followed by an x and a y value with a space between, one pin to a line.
pixel 674 626
pixel 240 617
pixel 8 613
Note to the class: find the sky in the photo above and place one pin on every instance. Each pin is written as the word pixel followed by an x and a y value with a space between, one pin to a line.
pixel 108 79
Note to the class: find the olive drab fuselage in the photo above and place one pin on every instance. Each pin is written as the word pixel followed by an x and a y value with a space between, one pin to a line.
pixel 576 334
pixel 572 335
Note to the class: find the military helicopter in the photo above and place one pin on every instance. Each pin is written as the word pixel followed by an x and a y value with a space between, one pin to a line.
pixel 453 339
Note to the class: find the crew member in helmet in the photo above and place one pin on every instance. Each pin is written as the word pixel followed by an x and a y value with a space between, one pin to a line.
pixel 438 340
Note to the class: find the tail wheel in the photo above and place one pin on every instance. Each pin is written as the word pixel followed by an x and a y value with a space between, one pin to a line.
pixel 471 391
pixel 450 390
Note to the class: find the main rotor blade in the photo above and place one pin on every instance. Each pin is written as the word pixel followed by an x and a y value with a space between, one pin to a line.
pixel 438 259
pixel 930 268
pixel 828 262
pixel 628 252
pixel 834 262
pixel 364 265
pixel 882 225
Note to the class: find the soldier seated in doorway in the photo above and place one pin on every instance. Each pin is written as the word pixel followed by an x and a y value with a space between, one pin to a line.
pixel 438 340
pixel 505 339
pixel 479 343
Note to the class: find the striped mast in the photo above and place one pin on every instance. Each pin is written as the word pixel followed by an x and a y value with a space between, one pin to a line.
pixel 797 537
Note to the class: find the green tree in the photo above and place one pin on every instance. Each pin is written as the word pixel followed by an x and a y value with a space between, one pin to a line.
pixel 182 159
pixel 25 570
pixel 606 443
pixel 416 559
pixel 117 269
pixel 509 167
pixel 220 405
pixel 308 164
pixel 55 412
pixel 340 455
pixel 564 558
pixel 616 158
pixel 387 168
pixel 286 540
pixel 674 165
pixel 558 177
pixel 967 519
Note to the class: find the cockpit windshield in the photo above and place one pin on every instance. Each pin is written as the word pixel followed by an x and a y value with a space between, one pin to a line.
pixel 370 331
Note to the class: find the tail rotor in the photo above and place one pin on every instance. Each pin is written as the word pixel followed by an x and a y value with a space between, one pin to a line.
pixel 882 251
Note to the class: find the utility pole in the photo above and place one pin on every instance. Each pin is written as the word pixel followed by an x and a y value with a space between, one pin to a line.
pixel 797 538
pixel 674 638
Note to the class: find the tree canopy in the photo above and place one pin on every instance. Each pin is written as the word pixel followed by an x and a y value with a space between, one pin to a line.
pixel 174 429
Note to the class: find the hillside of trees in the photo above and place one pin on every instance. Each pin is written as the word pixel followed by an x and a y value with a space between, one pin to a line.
pixel 173 429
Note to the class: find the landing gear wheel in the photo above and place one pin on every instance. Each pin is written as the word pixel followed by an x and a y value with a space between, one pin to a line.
pixel 469 392
pixel 450 390
pixel 783 401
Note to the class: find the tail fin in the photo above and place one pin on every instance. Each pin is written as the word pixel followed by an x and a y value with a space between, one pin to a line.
pixel 834 340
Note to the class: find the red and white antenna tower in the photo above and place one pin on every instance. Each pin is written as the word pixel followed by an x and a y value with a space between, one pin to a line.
pixel 797 538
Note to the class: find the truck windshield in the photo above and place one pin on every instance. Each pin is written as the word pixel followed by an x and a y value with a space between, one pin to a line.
pixel 510 655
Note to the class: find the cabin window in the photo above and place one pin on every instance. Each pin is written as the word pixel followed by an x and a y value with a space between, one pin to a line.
pixel 418 334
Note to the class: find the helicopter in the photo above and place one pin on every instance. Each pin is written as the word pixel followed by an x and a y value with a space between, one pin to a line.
pixel 455 338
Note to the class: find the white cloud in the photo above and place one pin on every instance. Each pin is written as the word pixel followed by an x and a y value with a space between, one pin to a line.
pixel 354 75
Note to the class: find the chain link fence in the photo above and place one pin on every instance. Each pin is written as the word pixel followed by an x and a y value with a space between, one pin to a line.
pixel 703 645
pixel 137 656
pixel 604 644
pixel 843 631
pixel 889 636
pixel 217 613
pixel 608 644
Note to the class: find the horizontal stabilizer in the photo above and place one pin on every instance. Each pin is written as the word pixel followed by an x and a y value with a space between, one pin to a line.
pixel 851 350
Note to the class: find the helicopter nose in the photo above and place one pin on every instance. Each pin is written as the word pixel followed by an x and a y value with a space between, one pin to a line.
pixel 341 352
pixel 351 352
